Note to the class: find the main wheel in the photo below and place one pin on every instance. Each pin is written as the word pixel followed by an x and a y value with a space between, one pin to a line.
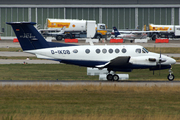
pixel 98 37
pixel 170 77
pixel 109 77
pixel 59 37
pixel 154 37
pixel 115 77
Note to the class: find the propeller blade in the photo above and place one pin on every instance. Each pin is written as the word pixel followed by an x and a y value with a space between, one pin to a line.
pixel 160 62
pixel 159 68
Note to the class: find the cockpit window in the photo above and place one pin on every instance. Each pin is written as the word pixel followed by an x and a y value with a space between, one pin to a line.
pixel 138 50
pixel 144 50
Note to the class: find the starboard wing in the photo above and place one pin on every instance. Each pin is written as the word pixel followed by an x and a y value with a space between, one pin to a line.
pixel 116 62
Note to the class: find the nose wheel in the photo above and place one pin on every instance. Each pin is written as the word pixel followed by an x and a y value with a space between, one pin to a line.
pixel 170 77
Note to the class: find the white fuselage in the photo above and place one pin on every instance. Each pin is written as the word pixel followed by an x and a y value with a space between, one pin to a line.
pixel 92 56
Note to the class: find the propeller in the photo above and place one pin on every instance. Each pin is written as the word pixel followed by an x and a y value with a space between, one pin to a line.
pixel 160 61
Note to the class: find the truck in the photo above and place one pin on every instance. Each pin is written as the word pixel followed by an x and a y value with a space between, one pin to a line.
pixel 164 31
pixel 72 28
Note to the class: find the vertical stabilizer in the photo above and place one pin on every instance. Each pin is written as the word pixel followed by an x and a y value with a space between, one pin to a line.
pixel 28 36
pixel 116 32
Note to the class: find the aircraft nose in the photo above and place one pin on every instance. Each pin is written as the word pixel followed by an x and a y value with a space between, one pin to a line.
pixel 171 61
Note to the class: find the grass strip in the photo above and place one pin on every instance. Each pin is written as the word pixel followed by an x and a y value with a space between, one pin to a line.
pixel 89 102
pixel 11 49
pixel 72 72
pixel 164 49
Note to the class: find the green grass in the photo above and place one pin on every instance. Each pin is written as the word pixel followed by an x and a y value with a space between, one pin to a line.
pixel 72 72
pixel 164 49
pixel 43 72
pixel 89 102
pixel 11 49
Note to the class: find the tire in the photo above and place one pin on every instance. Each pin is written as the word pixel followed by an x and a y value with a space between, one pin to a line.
pixel 59 37
pixel 170 77
pixel 109 77
pixel 98 37
pixel 154 37
pixel 115 77
pixel 68 36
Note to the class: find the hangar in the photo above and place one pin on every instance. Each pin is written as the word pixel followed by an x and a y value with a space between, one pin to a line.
pixel 119 13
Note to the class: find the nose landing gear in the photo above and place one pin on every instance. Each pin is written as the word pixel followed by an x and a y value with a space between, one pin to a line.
pixel 170 76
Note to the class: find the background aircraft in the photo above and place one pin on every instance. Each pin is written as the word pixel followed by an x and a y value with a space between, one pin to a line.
pixel 113 57
pixel 129 35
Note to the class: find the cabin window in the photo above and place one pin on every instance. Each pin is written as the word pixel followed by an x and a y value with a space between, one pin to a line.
pixel 98 51
pixel 104 50
pixel 87 51
pixel 138 50
pixel 110 50
pixel 75 51
pixel 123 50
pixel 117 50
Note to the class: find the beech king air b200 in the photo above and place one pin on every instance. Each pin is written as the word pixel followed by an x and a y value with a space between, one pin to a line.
pixel 113 57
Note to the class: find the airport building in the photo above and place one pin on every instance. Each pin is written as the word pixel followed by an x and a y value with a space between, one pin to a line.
pixel 119 13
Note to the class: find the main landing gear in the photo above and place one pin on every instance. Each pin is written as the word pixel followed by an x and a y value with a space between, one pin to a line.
pixel 111 77
pixel 170 77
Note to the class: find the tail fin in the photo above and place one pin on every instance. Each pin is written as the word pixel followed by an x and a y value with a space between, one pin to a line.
pixel 28 36
pixel 116 32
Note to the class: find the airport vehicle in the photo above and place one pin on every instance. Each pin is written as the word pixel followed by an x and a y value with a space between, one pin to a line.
pixel 73 29
pixel 164 31
pixel 113 57
pixel 128 35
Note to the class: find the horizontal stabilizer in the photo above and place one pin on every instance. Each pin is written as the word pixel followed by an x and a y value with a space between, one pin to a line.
pixel 43 57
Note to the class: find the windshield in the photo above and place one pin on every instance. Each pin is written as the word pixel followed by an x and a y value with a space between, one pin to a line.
pixel 102 27
pixel 144 50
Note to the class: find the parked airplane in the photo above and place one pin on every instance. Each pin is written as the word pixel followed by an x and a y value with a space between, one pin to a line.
pixel 113 57
pixel 130 35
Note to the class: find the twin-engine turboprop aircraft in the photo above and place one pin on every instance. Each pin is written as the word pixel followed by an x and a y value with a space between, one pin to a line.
pixel 113 57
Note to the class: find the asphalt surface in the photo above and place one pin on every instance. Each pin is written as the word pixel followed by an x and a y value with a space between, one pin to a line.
pixel 86 82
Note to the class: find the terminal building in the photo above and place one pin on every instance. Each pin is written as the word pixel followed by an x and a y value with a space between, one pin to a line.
pixel 120 13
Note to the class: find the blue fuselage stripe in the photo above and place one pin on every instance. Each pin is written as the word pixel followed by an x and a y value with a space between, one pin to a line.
pixel 96 63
